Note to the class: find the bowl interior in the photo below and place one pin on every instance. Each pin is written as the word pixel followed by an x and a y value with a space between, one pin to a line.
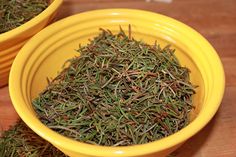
pixel 44 55
pixel 53 56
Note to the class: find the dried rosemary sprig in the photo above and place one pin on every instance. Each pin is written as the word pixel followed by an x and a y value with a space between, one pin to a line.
pixel 21 141
pixel 119 92
pixel 14 13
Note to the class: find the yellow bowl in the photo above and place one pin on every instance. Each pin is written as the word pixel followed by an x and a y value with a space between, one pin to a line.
pixel 12 41
pixel 44 55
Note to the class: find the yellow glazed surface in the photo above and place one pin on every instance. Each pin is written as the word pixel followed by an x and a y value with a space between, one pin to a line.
pixel 12 41
pixel 44 55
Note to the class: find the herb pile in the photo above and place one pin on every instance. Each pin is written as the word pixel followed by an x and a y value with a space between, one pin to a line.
pixel 119 92
pixel 21 141
pixel 14 13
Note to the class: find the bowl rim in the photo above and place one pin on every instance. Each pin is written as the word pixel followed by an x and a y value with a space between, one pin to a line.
pixel 148 148
pixel 32 22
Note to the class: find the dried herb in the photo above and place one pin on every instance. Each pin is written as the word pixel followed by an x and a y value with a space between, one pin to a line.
pixel 14 13
pixel 119 92
pixel 21 141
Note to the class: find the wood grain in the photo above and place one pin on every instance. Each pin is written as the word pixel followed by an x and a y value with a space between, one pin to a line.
pixel 214 19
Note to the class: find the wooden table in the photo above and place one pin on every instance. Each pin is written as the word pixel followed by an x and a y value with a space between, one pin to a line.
pixel 214 19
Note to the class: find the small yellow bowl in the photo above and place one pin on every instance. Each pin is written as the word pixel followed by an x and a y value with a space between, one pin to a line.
pixel 12 41
pixel 44 55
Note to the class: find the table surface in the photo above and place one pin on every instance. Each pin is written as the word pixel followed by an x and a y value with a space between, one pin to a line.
pixel 215 20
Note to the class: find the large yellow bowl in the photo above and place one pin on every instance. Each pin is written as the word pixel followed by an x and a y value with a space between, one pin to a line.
pixel 44 55
pixel 12 41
